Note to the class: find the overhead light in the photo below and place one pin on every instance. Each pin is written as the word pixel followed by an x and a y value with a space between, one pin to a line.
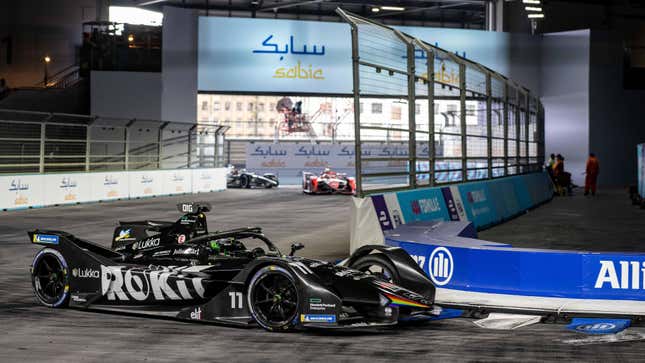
pixel 536 16
pixel 531 1
pixel 47 59
pixel 375 10
pixel 392 8
pixel 130 38
pixel 532 8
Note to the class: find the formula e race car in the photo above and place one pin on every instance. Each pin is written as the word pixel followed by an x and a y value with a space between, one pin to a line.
pixel 328 182
pixel 236 277
pixel 246 179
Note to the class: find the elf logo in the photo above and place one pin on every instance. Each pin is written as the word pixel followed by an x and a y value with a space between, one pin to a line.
pixel 628 275
pixel 196 314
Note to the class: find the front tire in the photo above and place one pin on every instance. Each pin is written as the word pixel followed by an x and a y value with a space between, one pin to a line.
pixel 273 299
pixel 245 181
pixel 379 266
pixel 50 278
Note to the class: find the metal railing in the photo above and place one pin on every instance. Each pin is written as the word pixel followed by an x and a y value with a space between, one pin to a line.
pixel 38 142
pixel 64 78
pixel 490 127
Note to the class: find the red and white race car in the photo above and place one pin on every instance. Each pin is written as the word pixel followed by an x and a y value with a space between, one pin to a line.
pixel 328 182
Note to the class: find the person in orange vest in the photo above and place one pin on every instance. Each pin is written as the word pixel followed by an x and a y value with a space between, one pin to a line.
pixel 593 168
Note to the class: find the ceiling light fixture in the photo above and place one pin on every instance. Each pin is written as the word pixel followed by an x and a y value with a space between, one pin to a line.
pixel 375 10
pixel 531 2
pixel 532 8
pixel 392 8
pixel 536 16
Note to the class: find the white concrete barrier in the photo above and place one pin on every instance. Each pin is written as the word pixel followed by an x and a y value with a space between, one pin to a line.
pixel 38 190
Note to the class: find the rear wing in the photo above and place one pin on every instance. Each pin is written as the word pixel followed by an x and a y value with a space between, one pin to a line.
pixel 76 247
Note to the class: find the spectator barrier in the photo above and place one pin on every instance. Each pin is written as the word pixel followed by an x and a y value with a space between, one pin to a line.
pixel 485 203
pixel 438 228
pixel 39 190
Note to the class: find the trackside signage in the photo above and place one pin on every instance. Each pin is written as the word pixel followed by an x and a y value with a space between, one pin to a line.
pixel 484 203
pixel 24 191
pixel 527 272
pixel 308 56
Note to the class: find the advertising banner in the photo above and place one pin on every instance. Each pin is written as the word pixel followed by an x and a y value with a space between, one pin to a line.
pixel 66 188
pixel 505 196
pixel 484 203
pixel 290 56
pixel 289 160
pixel 316 156
pixel 145 183
pixel 21 191
pixel 448 260
pixel 478 203
pixel 208 180
pixel 266 55
pixel 108 186
pixel 423 205
pixel 177 181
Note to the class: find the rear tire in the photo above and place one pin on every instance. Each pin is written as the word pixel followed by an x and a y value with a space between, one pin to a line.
pixel 379 266
pixel 50 278
pixel 273 299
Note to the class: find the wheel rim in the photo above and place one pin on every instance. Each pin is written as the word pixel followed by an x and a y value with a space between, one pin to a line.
pixel 378 271
pixel 275 300
pixel 49 279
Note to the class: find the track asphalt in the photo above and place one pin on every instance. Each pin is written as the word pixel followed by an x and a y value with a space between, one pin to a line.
pixel 32 333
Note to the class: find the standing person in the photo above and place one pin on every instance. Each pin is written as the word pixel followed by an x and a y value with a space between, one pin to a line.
pixel 558 174
pixel 550 162
pixel 549 165
pixel 558 166
pixel 592 171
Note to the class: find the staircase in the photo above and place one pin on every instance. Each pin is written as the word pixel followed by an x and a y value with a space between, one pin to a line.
pixel 64 92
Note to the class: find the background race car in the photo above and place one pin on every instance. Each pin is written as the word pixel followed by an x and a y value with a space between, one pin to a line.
pixel 328 182
pixel 246 179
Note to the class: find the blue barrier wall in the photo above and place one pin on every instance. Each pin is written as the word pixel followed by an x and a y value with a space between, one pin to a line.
pixel 450 254
pixel 485 203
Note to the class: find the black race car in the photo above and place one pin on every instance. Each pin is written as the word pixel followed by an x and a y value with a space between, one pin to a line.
pixel 235 277
pixel 246 179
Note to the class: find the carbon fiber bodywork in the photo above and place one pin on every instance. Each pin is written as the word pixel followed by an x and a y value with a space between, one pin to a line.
pixel 186 281
pixel 246 179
